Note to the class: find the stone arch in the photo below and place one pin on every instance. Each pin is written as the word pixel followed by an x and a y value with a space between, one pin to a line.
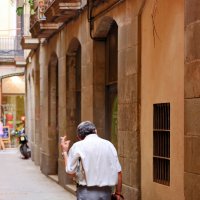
pixel 53 134
pixel 74 45
pixel 103 27
pixel 105 90
pixel 73 87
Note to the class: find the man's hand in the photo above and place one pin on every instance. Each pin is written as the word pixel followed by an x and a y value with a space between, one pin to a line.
pixel 118 197
pixel 64 144
pixel 119 185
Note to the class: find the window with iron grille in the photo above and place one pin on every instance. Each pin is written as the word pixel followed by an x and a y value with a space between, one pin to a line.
pixel 161 143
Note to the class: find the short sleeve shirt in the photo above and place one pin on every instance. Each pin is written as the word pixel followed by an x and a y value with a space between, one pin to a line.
pixel 99 159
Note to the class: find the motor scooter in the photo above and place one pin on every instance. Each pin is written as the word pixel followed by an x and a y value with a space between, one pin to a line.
pixel 24 148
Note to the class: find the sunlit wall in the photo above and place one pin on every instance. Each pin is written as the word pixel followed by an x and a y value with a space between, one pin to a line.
pixel 7 18
pixel 13 85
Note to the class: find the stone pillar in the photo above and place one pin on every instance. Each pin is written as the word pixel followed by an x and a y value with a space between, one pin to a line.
pixel 62 115
pixel 26 99
pixel 53 132
pixel 30 127
pixel 28 111
pixel 32 110
pixel 87 80
pixel 192 99
pixel 44 155
pixel 37 112
pixel 129 94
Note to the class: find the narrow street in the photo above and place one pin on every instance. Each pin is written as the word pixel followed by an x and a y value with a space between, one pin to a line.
pixel 22 180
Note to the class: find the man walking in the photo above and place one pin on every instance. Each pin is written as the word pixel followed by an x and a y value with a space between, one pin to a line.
pixel 94 162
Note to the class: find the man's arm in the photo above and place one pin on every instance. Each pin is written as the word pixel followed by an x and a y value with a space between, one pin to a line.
pixel 65 148
pixel 65 157
pixel 118 188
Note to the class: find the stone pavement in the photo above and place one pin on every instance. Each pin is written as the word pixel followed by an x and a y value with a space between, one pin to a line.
pixel 21 180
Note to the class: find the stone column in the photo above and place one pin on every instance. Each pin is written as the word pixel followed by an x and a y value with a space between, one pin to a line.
pixel 62 115
pixel 87 80
pixel 28 111
pixel 192 99
pixel 129 92
pixel 44 156
pixel 37 112
pixel 53 132
pixel 26 99
pixel 32 109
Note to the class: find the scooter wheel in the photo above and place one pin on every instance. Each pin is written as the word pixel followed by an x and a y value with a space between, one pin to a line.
pixel 25 151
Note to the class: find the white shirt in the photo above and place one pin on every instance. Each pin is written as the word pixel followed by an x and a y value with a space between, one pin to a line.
pixel 99 159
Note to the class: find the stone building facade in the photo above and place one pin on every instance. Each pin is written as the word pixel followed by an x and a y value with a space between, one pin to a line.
pixel 120 64
pixel 191 100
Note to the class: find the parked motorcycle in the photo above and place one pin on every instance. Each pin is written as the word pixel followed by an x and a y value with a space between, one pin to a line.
pixel 24 148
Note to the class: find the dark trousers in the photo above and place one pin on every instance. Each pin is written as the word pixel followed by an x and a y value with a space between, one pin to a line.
pixel 93 193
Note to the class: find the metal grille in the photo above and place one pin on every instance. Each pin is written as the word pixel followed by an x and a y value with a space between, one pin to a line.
pixel 10 47
pixel 161 143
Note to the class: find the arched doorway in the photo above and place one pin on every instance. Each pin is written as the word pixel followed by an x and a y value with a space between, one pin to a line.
pixel 53 134
pixel 73 97
pixel 106 79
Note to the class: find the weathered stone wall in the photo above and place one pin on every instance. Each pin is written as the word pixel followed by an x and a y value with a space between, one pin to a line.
pixel 192 100
pixel 29 105
pixel 127 17
pixel 37 109
pixel 32 105
pixel 162 81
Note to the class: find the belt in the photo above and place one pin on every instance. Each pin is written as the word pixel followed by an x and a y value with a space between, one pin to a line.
pixel 96 187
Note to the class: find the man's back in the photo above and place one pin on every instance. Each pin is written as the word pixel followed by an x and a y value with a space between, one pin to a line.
pixel 99 159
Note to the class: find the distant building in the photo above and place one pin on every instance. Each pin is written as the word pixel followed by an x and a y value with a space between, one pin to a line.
pixel 12 82
pixel 131 67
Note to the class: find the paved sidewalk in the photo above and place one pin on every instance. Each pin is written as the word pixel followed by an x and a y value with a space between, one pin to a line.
pixel 21 180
